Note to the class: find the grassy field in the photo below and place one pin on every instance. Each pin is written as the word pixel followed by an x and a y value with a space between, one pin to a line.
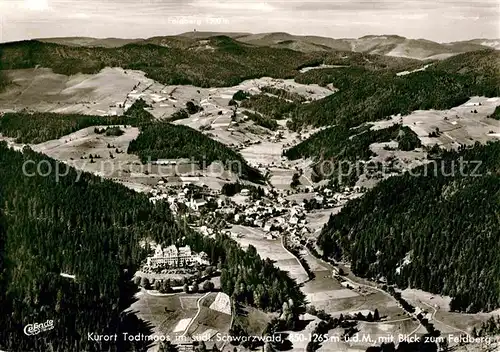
pixel 252 320
pixel 209 322
pixel 450 321
pixel 177 317
pixel 43 90
pixel 271 249
pixel 166 313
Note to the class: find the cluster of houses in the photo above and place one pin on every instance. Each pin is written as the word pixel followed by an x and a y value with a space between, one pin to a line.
pixel 327 198
pixel 191 197
pixel 173 257
pixel 276 215
pixel 273 213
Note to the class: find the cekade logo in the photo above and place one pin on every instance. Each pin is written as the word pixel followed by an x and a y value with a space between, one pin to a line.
pixel 36 328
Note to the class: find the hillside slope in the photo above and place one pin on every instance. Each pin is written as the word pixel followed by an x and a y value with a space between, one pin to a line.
pixel 90 42
pixel 34 128
pixel 220 61
pixel 436 230
pixel 367 96
pixel 163 140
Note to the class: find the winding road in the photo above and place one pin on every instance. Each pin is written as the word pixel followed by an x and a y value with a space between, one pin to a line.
pixel 197 313
pixel 433 318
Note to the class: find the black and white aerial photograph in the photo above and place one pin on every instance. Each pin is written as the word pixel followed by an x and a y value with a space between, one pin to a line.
pixel 249 176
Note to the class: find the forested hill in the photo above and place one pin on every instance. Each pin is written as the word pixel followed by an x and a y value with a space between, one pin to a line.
pixel 91 228
pixel 439 233
pixel 40 127
pixel 217 61
pixel 365 95
pixel 163 140
pixel 351 145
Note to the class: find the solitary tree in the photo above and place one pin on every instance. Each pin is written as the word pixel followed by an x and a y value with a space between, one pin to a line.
pixel 145 282
pixel 208 286
pixel 157 285
pixel 166 286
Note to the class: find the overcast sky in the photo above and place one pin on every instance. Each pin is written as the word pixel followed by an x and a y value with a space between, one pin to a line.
pixel 438 20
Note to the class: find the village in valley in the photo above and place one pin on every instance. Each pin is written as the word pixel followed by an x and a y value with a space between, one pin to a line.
pixel 180 289
pixel 249 176
pixel 282 220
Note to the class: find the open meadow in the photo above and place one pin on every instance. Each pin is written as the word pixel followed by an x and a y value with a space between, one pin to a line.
pixel 271 249
pixel 464 124
pixel 185 317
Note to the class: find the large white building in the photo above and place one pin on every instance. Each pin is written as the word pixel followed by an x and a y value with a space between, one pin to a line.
pixel 173 257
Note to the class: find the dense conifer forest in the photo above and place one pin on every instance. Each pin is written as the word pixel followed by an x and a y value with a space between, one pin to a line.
pixel 262 120
pixel 270 106
pixel 443 218
pixel 40 127
pixel 283 94
pixel 370 61
pixel 366 95
pixel 163 140
pixel 346 144
pixel 91 228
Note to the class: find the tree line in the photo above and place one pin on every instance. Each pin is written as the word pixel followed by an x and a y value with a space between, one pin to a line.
pixel 227 65
pixel 172 61
pixel 496 114
pixel 162 140
pixel 39 127
pixel 272 107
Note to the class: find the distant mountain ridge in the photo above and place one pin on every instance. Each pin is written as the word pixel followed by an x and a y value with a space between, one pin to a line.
pixel 390 45
pixel 89 41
